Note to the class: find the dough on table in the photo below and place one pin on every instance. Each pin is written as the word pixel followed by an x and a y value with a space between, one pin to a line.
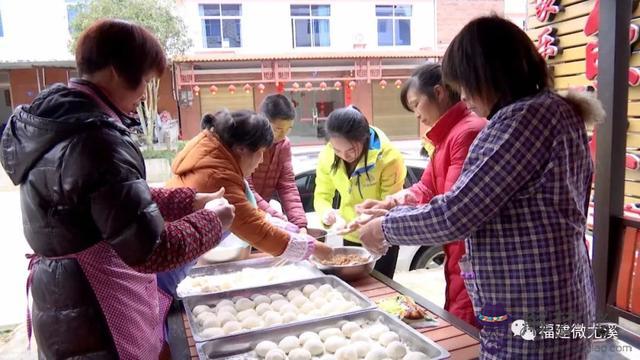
pixel 246 314
pixel 414 355
pixel 313 346
pixel 263 308
pixel 211 323
pixel 244 304
pixel 349 328
pixel 200 309
pixel 231 327
pixel 276 354
pixel 227 309
pixel 264 347
pixel 308 335
pixel 376 354
pixel 202 317
pixel 289 343
pixel 289 318
pixel 387 338
pixel 212 332
pixel 300 354
pixel 308 289
pixel 278 304
pixel 361 335
pixel 396 350
pixel 334 342
pixel 347 353
pixel 252 322
pixel 225 317
pixel 292 294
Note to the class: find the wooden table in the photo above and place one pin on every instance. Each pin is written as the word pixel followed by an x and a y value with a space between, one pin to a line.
pixel 459 338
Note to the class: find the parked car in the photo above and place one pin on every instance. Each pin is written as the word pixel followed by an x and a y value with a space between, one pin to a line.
pixel 409 257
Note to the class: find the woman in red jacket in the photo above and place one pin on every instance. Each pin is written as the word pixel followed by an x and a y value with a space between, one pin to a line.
pixel 452 129
pixel 275 174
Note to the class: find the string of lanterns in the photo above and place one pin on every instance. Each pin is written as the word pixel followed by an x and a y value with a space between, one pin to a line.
pixel 308 86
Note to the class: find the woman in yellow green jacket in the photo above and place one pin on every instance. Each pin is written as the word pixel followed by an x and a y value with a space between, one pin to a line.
pixel 360 163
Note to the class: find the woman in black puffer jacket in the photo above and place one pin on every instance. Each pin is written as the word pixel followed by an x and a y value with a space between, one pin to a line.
pixel 97 230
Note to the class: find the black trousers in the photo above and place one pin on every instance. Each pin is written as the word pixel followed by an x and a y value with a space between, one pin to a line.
pixel 387 264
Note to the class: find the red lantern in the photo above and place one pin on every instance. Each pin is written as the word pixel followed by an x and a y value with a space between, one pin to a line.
pixel 383 84
pixel 196 90
pixel 323 86
pixel 337 85
pixel 247 88
pixel 398 83
pixel 308 86
pixel 352 84
pixel 261 88
pixel 280 88
pixel 295 86
pixel 232 89
pixel 213 89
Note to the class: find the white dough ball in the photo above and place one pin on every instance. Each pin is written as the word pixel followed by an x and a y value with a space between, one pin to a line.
pixel 200 319
pixel 316 294
pixel 317 313
pixel 225 317
pixel 278 304
pixel 289 343
pixel 362 347
pixel 396 350
pixel 328 357
pixel 225 302
pixel 211 323
pixel 414 355
pixel 212 332
pixel 349 328
pixel 360 335
pixel 314 346
pixel 252 322
pixel 325 288
pixel 326 333
pixel 308 335
pixel 261 299
pixel 299 354
pixel 307 308
pixel 227 309
pixel 289 318
pixel 276 354
pixel 299 301
pixel 231 327
pixel 328 309
pixel 246 314
pixel 334 296
pixel 289 308
pixel 272 318
pixel 333 343
pixel 387 338
pixel 308 289
pixel 376 330
pixel 376 354
pixel 262 308
pixel 319 302
pixel 264 347
pixel 244 304
pixel 292 294
pixel 200 309
pixel 347 353
pixel 275 297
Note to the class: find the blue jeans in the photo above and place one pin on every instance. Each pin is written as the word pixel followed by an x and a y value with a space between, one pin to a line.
pixel 168 280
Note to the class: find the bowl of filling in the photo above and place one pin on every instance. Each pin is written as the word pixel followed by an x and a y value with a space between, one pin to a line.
pixel 349 263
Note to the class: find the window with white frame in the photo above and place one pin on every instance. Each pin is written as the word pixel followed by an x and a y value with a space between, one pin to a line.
pixel 310 25
pixel 394 25
pixel 1 28
pixel 221 25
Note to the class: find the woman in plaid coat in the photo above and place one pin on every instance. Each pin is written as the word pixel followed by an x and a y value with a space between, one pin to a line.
pixel 521 201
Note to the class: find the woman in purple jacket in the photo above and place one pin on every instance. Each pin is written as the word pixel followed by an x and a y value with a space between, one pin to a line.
pixel 520 202
pixel 274 176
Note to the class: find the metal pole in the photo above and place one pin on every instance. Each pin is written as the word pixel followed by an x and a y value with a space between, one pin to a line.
pixel 613 65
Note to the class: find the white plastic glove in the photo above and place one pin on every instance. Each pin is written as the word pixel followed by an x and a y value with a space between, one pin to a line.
pixel 223 210
pixel 300 247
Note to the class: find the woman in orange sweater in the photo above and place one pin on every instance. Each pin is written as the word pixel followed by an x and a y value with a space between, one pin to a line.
pixel 222 156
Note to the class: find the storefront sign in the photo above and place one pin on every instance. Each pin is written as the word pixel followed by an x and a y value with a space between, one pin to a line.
pixel 548 43
pixel 592 28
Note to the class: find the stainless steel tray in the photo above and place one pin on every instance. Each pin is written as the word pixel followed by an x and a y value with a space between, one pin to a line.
pixel 241 346
pixel 211 299
pixel 304 270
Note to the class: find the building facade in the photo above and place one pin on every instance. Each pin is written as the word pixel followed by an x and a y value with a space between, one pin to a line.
pixel 323 54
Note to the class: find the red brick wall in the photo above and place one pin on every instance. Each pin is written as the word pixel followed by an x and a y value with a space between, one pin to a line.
pixel 24 86
pixel 454 14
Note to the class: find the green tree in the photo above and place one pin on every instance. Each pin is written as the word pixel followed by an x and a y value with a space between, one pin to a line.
pixel 159 16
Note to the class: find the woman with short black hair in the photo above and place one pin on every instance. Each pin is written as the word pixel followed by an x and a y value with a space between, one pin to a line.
pixel 97 230
pixel 521 201
pixel 223 155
